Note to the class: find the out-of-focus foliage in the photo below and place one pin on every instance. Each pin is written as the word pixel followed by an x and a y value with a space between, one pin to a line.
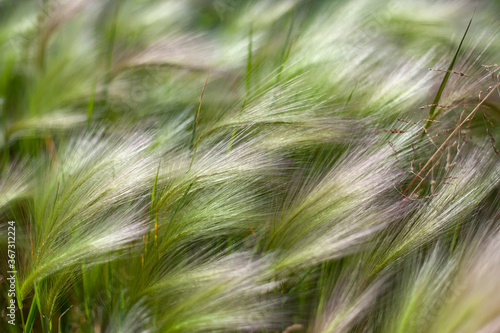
pixel 260 166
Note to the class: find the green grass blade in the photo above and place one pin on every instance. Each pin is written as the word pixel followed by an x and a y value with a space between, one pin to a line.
pixel 154 187
pixel 249 62
pixel 287 47
pixel 432 112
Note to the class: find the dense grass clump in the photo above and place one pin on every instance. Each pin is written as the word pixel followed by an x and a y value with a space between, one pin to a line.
pixel 249 166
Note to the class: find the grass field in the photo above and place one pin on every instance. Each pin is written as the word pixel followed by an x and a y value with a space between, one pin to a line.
pixel 249 166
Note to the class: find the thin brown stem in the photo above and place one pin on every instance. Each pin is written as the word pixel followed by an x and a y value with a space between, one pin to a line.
pixel 473 112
